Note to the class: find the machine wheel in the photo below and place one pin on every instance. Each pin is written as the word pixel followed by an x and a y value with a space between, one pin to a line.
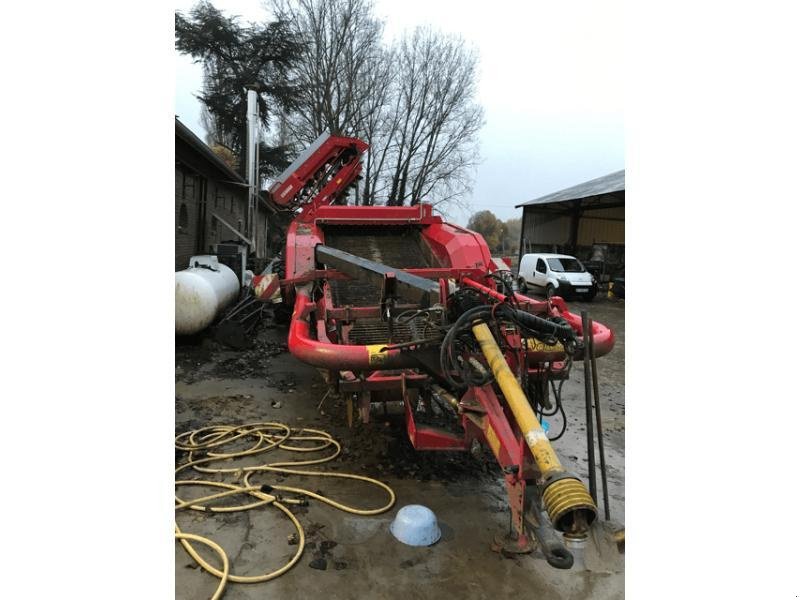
pixel 589 297
pixel 522 285
pixel 549 291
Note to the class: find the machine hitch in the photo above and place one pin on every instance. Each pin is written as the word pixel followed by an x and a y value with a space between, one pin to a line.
pixel 537 522
pixel 568 503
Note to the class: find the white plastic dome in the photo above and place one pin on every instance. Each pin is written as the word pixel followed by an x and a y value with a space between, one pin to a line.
pixel 416 525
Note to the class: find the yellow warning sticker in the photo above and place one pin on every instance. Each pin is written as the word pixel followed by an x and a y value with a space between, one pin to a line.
pixel 539 346
pixel 376 357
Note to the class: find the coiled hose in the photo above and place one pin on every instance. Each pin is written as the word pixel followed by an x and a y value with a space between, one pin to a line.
pixel 267 436
pixel 449 363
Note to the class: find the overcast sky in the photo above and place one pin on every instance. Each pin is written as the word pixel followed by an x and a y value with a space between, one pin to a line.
pixel 550 84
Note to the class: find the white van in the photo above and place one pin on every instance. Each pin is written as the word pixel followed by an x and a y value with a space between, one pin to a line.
pixel 556 275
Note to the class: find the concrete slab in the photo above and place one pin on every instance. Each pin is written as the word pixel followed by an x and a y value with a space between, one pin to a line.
pixel 366 561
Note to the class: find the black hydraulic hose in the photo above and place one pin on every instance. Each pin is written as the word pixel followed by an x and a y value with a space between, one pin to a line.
pixel 463 324
pixel 558 330
pixel 526 319
pixel 448 362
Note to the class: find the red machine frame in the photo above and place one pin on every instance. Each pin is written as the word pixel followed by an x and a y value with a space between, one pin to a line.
pixel 312 187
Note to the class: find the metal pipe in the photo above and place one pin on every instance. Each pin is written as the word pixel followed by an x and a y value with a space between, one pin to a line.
pixel 598 414
pixel 469 282
pixel 236 232
pixel 447 396
pixel 339 357
pixel 252 165
pixel 566 500
pixel 589 416
pixel 603 336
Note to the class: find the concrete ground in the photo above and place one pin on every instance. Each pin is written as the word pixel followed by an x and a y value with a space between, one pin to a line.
pixel 218 385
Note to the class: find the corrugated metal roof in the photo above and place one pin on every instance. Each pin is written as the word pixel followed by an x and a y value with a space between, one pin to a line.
pixel 608 184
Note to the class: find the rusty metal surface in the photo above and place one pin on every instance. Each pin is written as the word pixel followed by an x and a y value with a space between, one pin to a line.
pixel 399 247
pixel 394 281
pixel 375 331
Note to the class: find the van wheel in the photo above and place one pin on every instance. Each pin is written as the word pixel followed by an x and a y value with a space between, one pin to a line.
pixel 522 285
pixel 549 291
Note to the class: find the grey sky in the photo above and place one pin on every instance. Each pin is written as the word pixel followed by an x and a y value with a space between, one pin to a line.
pixel 551 84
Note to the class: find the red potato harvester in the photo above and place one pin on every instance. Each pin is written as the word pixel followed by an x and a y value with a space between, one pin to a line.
pixel 393 303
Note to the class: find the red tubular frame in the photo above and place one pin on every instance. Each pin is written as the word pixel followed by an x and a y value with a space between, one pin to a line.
pixel 365 358
pixel 603 336
pixel 338 357
pixel 454 253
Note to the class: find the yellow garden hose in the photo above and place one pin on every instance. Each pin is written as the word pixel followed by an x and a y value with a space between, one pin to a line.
pixel 179 535
pixel 267 436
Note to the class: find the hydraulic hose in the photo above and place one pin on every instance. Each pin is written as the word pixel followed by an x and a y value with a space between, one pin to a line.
pixel 602 337
pixel 562 331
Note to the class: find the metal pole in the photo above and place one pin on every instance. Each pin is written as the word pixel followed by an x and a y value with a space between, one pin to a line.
pixel 606 507
pixel 256 190
pixel 589 416
pixel 252 166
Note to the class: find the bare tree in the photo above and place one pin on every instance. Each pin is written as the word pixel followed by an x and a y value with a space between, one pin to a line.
pixel 261 56
pixel 378 125
pixel 413 103
pixel 340 38
pixel 438 119
pixel 346 75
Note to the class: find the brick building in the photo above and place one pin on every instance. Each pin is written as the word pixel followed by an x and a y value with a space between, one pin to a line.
pixel 210 201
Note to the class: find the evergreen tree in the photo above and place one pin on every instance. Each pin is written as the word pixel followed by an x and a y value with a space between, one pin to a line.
pixel 258 56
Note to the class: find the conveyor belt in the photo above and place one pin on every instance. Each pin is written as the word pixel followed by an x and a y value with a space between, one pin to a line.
pixel 399 247
pixel 375 331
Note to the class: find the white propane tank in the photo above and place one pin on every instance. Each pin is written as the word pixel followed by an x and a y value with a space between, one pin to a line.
pixel 201 292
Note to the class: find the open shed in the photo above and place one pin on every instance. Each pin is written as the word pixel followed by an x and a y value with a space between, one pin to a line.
pixel 586 220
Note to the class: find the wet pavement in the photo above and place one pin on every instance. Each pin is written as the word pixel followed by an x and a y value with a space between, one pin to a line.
pixel 360 557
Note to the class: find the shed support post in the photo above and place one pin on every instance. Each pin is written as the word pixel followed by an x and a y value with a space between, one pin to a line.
pixel 522 237
pixel 573 226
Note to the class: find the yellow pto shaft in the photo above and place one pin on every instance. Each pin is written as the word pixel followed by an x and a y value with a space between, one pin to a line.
pixel 565 498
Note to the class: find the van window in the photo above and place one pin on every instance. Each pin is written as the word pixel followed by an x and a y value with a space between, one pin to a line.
pixel 565 265
pixel 540 266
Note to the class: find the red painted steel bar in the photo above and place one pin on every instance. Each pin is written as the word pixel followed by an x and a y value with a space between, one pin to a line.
pixel 337 356
pixel 603 337
pixel 483 289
